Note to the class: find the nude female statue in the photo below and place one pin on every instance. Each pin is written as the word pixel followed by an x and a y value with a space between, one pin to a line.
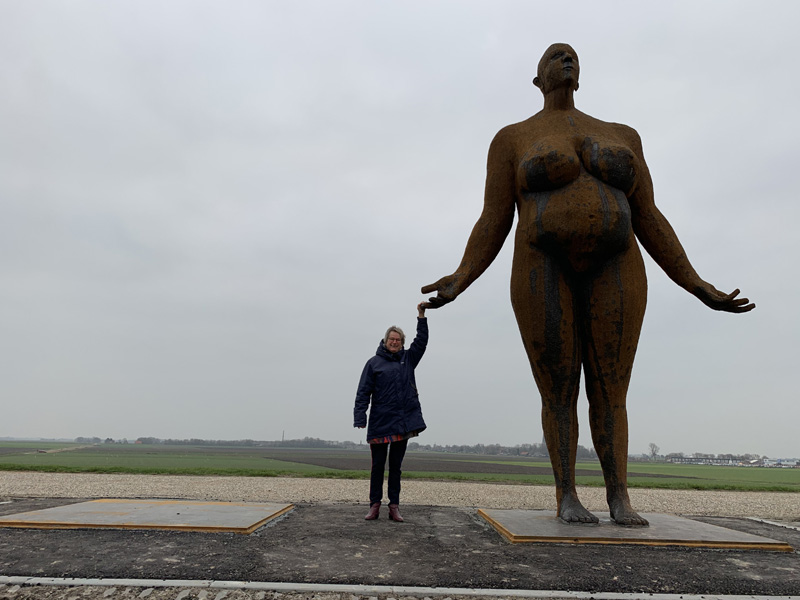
pixel 584 196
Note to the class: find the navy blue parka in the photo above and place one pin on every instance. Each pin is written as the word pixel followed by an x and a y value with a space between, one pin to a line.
pixel 388 384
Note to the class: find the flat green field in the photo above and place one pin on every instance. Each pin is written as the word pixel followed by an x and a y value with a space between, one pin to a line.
pixel 354 464
pixel 156 459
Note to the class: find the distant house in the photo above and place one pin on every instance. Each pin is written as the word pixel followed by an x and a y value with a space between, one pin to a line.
pixel 733 461
pixel 697 460
pixel 785 463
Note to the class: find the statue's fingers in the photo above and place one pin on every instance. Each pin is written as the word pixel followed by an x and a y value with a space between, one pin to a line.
pixel 737 305
pixel 436 302
pixel 427 289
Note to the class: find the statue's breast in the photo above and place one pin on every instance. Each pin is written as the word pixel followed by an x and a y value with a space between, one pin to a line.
pixel 552 163
pixel 548 165
pixel 610 162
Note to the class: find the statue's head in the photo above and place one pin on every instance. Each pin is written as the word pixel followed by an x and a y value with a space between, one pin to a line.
pixel 558 66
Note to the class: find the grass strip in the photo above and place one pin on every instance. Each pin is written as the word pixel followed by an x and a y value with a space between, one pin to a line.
pixel 639 482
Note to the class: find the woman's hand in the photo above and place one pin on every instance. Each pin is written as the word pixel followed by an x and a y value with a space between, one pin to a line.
pixel 421 310
pixel 447 291
pixel 713 298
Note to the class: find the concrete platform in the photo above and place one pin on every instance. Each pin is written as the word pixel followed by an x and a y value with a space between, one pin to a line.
pixel 542 526
pixel 182 515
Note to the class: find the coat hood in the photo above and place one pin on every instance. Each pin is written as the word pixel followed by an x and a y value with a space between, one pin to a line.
pixel 384 353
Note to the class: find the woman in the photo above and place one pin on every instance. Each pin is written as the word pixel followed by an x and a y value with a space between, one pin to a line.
pixel 387 383
pixel 583 193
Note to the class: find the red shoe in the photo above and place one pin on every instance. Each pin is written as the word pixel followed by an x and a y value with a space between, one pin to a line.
pixel 394 513
pixel 374 510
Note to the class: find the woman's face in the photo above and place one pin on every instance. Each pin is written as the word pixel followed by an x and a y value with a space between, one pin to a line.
pixel 558 67
pixel 394 343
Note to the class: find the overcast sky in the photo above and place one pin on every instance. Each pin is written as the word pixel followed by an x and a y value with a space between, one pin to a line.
pixel 211 211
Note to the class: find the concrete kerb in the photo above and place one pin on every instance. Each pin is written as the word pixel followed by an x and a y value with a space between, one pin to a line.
pixel 364 590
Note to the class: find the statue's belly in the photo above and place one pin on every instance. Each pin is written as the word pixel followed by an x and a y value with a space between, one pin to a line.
pixel 584 222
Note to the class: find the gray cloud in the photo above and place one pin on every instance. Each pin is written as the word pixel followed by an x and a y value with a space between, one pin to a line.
pixel 212 213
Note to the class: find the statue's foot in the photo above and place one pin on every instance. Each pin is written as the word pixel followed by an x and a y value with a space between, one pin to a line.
pixel 622 513
pixel 572 511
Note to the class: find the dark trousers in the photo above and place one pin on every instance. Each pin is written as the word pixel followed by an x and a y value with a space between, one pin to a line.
pixel 396 452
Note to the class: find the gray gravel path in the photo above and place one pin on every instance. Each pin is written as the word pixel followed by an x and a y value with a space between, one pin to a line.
pixel 763 505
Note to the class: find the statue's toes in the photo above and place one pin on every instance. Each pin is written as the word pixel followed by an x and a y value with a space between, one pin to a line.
pixel 631 519
pixel 577 514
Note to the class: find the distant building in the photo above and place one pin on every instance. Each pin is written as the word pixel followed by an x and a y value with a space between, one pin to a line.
pixel 782 462
pixel 733 461
pixel 695 460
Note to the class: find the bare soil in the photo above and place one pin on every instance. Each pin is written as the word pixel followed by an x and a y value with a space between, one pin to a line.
pixel 16 450
pixel 436 546
pixel 359 461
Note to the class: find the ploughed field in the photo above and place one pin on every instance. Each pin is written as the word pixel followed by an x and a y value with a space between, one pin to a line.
pixel 430 462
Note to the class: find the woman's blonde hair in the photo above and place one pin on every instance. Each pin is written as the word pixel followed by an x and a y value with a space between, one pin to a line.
pixel 396 329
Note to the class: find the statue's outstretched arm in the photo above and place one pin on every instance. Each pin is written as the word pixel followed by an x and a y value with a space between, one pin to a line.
pixel 662 243
pixel 489 232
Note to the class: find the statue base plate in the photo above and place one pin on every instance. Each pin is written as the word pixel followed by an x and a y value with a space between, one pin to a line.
pixel 543 526
pixel 181 515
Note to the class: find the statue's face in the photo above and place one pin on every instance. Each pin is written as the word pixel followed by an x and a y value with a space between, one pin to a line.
pixel 558 67
pixel 394 343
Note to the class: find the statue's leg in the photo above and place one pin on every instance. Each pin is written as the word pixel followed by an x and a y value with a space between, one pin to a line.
pixel 544 307
pixel 611 311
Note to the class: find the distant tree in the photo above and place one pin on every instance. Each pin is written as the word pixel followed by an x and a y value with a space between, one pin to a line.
pixel 493 449
pixel 540 450
pixel 653 451
pixel 87 440
pixel 702 455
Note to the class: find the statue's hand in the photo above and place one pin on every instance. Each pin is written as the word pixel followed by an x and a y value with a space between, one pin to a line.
pixel 447 291
pixel 713 298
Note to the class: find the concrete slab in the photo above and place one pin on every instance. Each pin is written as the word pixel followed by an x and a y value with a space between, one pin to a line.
pixel 182 515
pixel 543 526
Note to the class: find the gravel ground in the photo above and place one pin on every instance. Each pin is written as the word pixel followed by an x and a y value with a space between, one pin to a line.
pixel 764 505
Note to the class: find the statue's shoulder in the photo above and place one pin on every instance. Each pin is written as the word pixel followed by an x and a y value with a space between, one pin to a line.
pixel 626 132
pixel 510 136
pixel 508 132
pixel 533 122
pixel 504 142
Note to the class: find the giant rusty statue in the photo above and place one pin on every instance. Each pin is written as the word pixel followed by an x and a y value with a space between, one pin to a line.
pixel 584 196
